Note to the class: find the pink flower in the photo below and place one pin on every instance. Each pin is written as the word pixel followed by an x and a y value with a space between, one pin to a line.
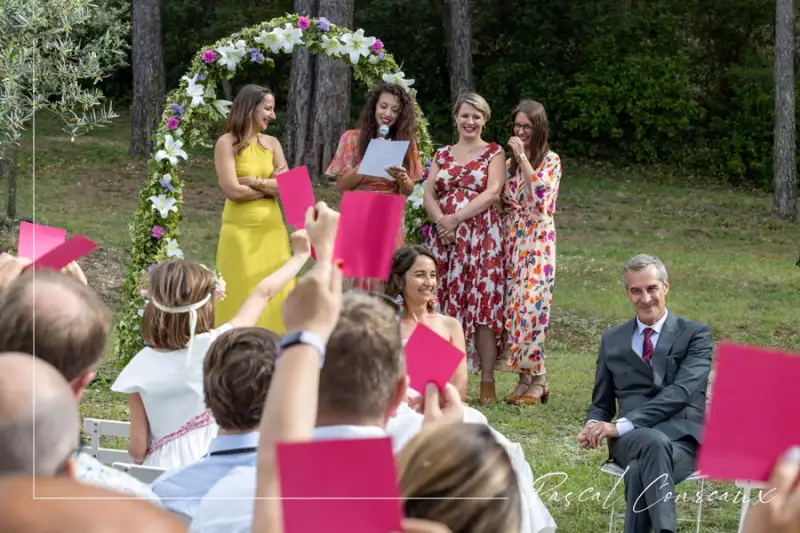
pixel 173 123
pixel 158 232
pixel 303 23
pixel 209 56
pixel 378 46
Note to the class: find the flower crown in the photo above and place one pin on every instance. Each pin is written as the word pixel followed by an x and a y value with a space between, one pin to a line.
pixel 219 284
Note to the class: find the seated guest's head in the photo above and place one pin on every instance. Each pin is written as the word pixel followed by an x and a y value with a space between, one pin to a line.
pixel 71 324
pixel 460 476
pixel 363 379
pixel 174 286
pixel 414 276
pixel 39 420
pixel 237 372
pixel 647 285
pixel 60 504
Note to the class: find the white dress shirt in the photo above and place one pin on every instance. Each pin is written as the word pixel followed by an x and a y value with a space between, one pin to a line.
pixel 637 344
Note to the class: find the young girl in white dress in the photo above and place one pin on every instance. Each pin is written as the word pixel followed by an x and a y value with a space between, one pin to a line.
pixel 170 424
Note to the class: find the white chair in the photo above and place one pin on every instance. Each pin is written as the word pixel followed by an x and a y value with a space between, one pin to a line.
pixel 97 428
pixel 611 468
pixel 747 487
pixel 145 474
pixel 616 471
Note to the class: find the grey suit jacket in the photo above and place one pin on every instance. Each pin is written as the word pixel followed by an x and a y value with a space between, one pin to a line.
pixel 670 396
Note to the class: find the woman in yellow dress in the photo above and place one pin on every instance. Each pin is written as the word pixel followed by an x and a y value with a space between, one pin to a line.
pixel 253 240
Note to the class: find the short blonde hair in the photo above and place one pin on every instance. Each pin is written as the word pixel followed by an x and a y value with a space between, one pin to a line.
pixel 177 283
pixel 460 476
pixel 475 100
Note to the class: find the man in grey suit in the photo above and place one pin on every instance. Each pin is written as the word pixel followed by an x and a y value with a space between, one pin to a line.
pixel 656 367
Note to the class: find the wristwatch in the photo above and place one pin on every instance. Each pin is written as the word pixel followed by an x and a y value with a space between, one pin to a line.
pixel 303 337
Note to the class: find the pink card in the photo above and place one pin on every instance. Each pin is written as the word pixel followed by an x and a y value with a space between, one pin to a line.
pixel 70 251
pixel 297 195
pixel 367 236
pixel 44 237
pixel 429 357
pixel 347 486
pixel 751 420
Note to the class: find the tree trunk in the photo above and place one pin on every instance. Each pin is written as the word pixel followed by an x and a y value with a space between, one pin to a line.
pixel 458 36
pixel 784 199
pixel 301 89
pixel 148 75
pixel 8 170
pixel 319 87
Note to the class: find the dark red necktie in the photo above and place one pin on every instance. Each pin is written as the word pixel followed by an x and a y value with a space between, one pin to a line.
pixel 647 349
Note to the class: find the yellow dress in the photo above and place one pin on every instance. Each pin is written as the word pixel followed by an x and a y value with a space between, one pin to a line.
pixel 253 243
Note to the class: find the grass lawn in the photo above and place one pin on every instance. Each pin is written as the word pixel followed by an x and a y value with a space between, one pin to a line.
pixel 731 264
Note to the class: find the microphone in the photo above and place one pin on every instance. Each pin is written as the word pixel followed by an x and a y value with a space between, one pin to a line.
pixel 383 131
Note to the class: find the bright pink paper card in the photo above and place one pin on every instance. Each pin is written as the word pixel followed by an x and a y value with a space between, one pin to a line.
pixel 751 420
pixel 45 237
pixel 369 223
pixel 339 486
pixel 70 251
pixel 429 357
pixel 297 195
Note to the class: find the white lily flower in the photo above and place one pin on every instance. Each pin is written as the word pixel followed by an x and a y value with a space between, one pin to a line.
pixel 399 78
pixel 140 312
pixel 373 60
pixel 164 204
pixel 291 38
pixel 173 250
pixel 357 45
pixel 230 56
pixel 222 107
pixel 331 46
pixel 194 90
pixel 173 149
pixel 416 198
pixel 273 40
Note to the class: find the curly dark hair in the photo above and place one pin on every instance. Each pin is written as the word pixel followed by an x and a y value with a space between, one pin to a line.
pixel 404 128
pixel 402 260
pixel 237 373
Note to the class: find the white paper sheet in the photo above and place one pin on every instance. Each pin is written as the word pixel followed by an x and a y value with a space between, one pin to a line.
pixel 381 154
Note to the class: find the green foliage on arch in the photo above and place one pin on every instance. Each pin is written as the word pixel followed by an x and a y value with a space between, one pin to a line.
pixel 193 107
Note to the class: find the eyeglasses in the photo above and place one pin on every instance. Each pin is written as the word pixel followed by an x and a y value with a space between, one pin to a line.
pixel 524 127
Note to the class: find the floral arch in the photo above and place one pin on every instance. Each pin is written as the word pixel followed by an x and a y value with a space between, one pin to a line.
pixel 193 107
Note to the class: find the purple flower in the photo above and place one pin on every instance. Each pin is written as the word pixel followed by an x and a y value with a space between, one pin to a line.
pixel 173 123
pixel 177 110
pixel 303 23
pixel 151 267
pixel 323 24
pixel 256 56
pixel 158 232
pixel 167 185
pixel 381 57
pixel 209 56
pixel 378 46
pixel 425 230
pixel 199 77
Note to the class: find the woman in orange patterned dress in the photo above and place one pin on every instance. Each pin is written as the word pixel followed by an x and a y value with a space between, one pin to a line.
pixel 529 201
pixel 388 105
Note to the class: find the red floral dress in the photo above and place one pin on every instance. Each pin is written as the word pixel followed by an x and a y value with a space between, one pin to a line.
pixel 530 264
pixel 471 282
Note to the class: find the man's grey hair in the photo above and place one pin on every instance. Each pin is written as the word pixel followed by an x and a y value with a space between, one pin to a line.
pixel 642 261
pixel 39 419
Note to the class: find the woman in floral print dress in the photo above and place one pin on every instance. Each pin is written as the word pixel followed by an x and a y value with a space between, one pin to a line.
pixel 529 201
pixel 461 198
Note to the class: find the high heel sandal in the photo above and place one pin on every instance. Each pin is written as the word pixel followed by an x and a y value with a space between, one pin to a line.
pixel 512 398
pixel 533 400
pixel 488 393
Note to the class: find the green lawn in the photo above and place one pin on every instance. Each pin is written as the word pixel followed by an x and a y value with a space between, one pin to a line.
pixel 731 265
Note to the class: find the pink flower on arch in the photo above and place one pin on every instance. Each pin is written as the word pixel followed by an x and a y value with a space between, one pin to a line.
pixel 173 123
pixel 158 232
pixel 378 46
pixel 303 23
pixel 209 56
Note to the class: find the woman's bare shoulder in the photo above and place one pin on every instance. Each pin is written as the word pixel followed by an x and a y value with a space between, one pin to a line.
pixel 227 139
